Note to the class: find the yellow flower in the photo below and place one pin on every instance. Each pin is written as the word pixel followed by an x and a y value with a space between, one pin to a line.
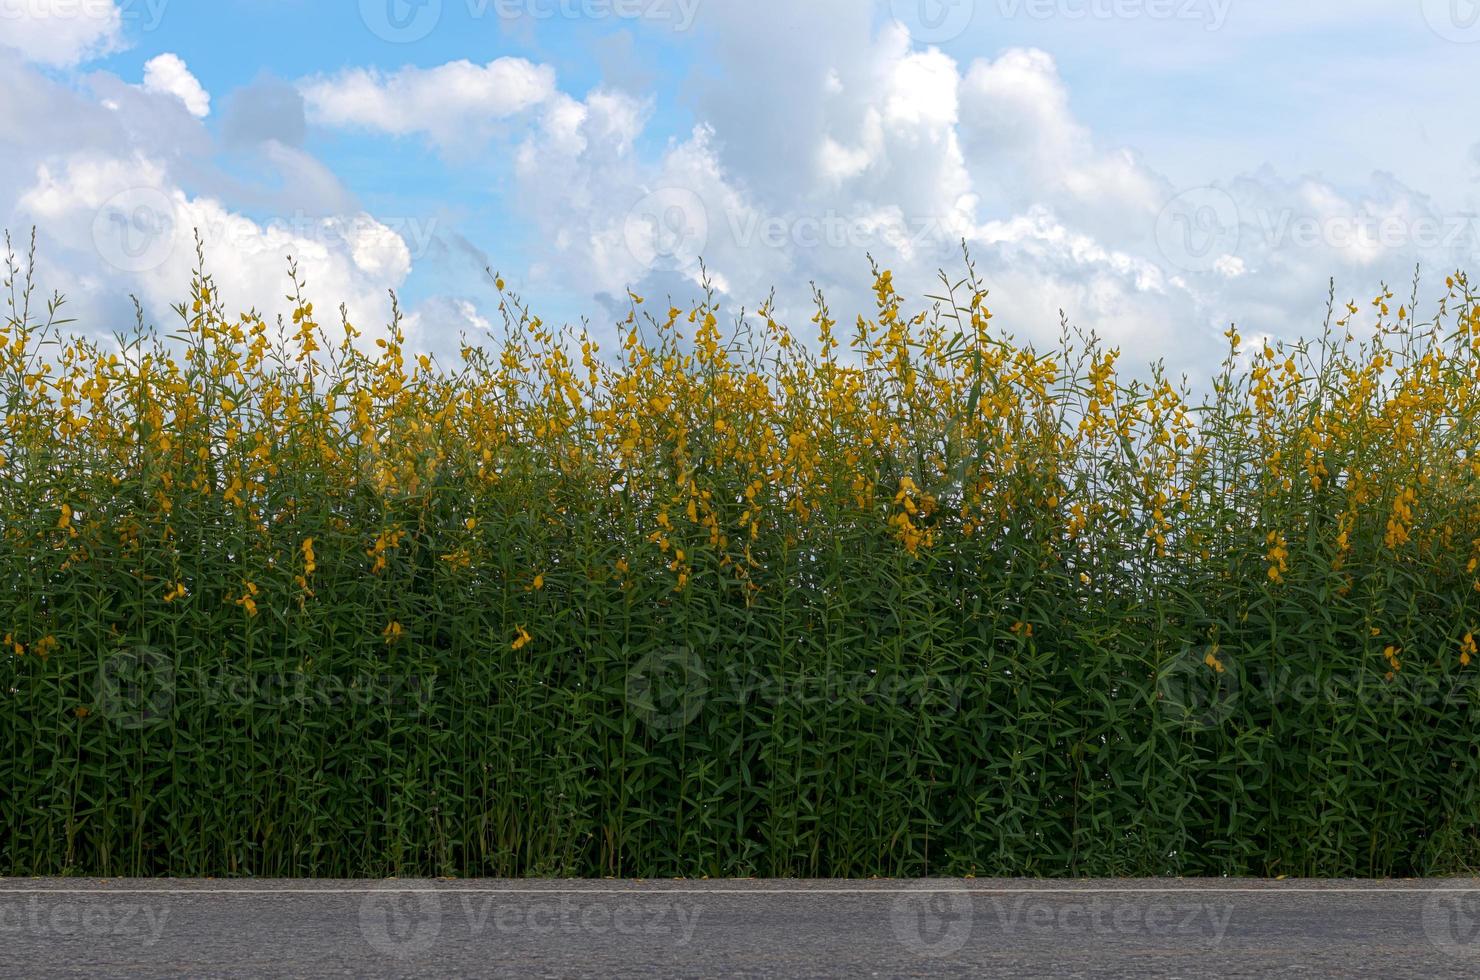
pixel 1467 649
pixel 178 592
pixel 393 631
pixel 248 600
pixel 1278 556
pixel 539 582
pixel 522 640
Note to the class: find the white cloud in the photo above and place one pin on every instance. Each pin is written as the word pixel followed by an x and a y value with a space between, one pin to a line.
pixel 167 74
pixel 922 91
pixel 116 190
pixel 854 141
pixel 440 325
pixel 1230 265
pixel 617 218
pixel 1025 147
pixel 812 134
pixel 125 218
pixel 454 103
pixel 61 33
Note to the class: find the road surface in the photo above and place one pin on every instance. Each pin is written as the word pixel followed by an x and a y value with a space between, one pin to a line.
pixel 949 927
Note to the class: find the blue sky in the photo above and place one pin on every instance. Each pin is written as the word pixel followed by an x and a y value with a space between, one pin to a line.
pixel 1154 168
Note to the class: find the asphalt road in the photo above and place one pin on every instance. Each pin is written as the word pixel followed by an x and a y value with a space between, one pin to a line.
pixel 739 928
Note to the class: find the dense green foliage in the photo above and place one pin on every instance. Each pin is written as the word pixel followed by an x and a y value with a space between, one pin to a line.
pixel 923 601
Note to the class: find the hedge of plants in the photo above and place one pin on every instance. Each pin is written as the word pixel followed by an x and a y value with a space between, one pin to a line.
pixel 896 596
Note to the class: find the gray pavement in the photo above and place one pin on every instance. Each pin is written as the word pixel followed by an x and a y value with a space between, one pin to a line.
pixel 1191 928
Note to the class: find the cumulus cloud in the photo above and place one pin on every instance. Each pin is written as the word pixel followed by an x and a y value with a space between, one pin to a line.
pixel 453 104
pixel 167 74
pixel 857 140
pixel 139 228
pixel 118 188
pixel 61 33
pixel 885 157
pixel 1025 148
pixel 440 325
pixel 806 137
